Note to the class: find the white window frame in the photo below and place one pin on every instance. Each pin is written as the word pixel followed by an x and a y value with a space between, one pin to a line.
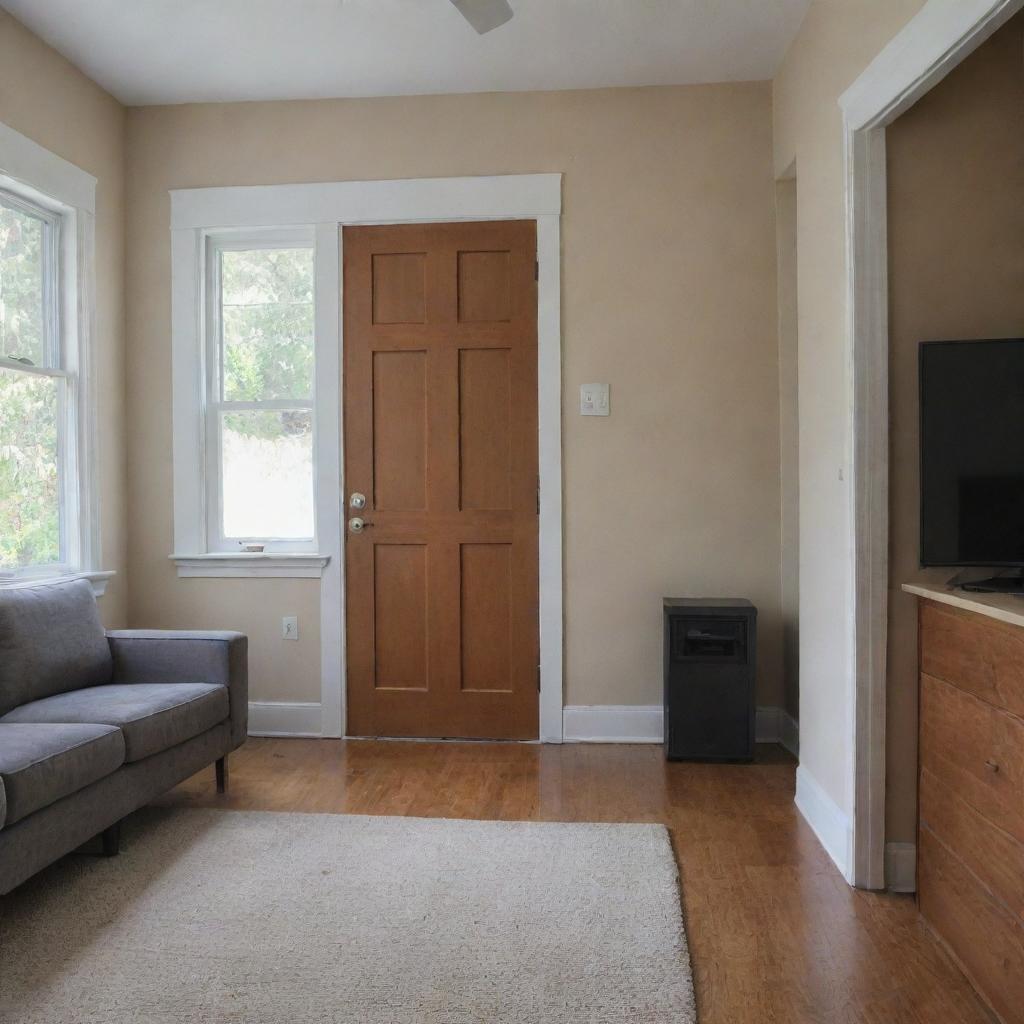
pixel 65 196
pixel 217 242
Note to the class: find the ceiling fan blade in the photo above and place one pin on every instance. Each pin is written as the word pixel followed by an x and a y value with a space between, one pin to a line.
pixel 484 15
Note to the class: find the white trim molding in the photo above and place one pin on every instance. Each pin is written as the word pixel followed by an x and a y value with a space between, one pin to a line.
pixel 327 207
pixel 294 719
pixel 44 173
pixel 644 723
pixel 59 188
pixel 777 725
pixel 613 723
pixel 768 725
pixel 399 201
pixel 789 732
pixel 832 827
pixel 936 40
pixel 228 565
pixel 901 867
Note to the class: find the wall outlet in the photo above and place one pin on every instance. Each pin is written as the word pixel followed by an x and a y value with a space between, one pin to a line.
pixel 594 400
pixel 290 628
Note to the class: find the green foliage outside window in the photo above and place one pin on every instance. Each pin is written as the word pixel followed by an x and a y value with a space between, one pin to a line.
pixel 29 479
pixel 267 321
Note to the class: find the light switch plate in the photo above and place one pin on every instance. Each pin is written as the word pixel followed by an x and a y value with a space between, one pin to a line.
pixel 594 400
pixel 290 628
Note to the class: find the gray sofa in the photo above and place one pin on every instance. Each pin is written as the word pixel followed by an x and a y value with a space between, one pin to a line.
pixel 95 724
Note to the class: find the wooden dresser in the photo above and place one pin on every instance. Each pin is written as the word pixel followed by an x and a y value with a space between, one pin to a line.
pixel 970 850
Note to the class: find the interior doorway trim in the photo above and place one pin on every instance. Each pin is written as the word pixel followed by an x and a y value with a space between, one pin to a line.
pixel 328 207
pixel 935 41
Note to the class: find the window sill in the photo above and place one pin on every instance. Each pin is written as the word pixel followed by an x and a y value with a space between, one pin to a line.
pixel 249 565
pixel 99 579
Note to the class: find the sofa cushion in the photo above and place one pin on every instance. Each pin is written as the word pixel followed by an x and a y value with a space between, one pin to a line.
pixel 51 641
pixel 152 716
pixel 39 764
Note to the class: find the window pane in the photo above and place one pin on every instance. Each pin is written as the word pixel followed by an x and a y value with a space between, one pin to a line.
pixel 29 478
pixel 21 286
pixel 268 474
pixel 267 324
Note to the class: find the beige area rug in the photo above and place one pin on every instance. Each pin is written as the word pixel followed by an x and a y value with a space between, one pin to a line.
pixel 220 916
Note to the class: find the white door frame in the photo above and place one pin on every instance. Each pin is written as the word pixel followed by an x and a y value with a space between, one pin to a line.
pixel 328 207
pixel 936 40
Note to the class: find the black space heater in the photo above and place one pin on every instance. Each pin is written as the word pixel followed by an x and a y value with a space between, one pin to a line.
pixel 710 654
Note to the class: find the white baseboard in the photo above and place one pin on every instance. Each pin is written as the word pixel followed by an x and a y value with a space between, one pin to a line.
pixel 830 824
pixel 583 723
pixel 789 733
pixel 777 725
pixel 284 718
pixel 766 725
pixel 612 723
pixel 643 723
pixel 901 867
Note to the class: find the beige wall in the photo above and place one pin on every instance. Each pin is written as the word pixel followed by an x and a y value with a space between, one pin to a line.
pixel 956 251
pixel 47 99
pixel 836 42
pixel 668 294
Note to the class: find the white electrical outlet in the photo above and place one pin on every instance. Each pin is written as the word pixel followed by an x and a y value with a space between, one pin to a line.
pixel 290 628
pixel 594 400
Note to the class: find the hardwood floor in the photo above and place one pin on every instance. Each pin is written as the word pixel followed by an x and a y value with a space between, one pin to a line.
pixel 775 933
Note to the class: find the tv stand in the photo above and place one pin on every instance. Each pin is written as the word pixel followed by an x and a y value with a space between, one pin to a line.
pixel 995 585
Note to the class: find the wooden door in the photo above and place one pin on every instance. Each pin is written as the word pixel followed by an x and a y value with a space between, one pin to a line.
pixel 440 410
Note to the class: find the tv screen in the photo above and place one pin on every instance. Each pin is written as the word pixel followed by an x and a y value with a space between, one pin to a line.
pixel 972 452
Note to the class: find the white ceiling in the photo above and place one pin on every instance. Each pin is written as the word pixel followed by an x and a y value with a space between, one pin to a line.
pixel 180 51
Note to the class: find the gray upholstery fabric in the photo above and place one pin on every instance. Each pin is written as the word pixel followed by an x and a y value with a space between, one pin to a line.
pixel 168 708
pixel 40 764
pixel 51 641
pixel 152 716
pixel 166 656
pixel 29 845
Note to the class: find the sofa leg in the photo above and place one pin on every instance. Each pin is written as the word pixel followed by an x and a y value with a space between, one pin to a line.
pixel 222 774
pixel 111 838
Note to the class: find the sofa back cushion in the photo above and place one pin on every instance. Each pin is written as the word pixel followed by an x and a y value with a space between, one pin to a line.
pixel 51 641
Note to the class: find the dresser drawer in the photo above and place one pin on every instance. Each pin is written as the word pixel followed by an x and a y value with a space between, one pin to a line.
pixel 976 750
pixel 977 654
pixel 986 939
pixel 992 854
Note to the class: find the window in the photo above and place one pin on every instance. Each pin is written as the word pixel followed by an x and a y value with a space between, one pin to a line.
pixel 260 368
pixel 38 399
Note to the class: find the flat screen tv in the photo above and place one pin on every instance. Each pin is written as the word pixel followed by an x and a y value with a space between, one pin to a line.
pixel 972 452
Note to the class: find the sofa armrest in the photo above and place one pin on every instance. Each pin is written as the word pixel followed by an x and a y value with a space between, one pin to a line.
pixel 171 656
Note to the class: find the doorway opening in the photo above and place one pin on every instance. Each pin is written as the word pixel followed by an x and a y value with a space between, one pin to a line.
pixel 789 451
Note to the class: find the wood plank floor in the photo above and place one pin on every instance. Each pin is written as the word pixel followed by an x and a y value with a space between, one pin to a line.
pixel 775 933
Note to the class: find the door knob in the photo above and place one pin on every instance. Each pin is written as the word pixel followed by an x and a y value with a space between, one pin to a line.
pixel 357 500
pixel 357 525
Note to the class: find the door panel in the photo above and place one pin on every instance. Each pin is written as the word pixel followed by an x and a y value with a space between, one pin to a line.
pixel 485 292
pixel 485 428
pixel 399 399
pixel 486 626
pixel 400 616
pixel 440 406
pixel 399 287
